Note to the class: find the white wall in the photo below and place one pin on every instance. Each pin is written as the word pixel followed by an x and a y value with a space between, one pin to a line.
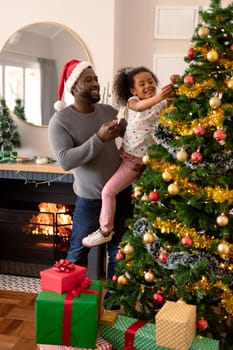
pixel 116 32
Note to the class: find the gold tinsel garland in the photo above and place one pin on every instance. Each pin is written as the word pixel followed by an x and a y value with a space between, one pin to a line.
pixel 206 286
pixel 216 194
pixel 198 242
pixel 226 63
pixel 227 297
pixel 196 89
pixel 213 118
pixel 173 226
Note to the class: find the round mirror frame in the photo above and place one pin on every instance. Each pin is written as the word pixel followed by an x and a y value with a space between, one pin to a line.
pixel 73 34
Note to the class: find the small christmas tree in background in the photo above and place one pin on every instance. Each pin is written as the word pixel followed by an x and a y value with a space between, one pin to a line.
pixel 9 136
pixel 19 109
pixel 180 243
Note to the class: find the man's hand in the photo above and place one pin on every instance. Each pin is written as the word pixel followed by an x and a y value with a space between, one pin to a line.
pixel 109 131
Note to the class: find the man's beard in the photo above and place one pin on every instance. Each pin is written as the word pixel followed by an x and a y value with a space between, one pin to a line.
pixel 90 98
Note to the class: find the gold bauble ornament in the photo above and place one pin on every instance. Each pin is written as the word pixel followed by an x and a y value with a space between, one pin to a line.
pixel 182 155
pixel 128 249
pixel 148 237
pixel 144 197
pixel 122 280
pixel 138 188
pixel 138 191
pixel 149 276
pixel 214 102
pixel 146 159
pixel 223 248
pixel 212 56
pixel 203 32
pixel 230 84
pixel 173 189
pixel 167 176
pixel 222 220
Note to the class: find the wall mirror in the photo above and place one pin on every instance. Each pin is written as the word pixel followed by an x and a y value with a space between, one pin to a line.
pixel 30 65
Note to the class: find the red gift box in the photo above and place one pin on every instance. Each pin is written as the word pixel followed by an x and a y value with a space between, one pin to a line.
pixel 62 277
pixel 101 344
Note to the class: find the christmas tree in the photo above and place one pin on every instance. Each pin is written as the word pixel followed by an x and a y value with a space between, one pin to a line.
pixel 179 244
pixel 9 136
pixel 19 109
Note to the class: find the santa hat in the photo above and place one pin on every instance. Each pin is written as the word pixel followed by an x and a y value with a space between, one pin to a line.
pixel 69 75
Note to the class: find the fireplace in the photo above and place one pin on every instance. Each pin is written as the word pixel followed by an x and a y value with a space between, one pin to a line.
pixel 35 227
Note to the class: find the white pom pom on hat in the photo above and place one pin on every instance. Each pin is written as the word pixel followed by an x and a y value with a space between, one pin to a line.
pixel 69 75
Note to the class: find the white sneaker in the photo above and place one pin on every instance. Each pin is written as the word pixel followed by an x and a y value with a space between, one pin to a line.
pixel 96 238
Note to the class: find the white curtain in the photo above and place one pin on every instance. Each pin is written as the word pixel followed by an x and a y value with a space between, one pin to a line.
pixel 49 86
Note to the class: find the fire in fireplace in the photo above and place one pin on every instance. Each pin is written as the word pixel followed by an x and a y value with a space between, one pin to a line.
pixel 53 220
pixel 35 227
pixel 35 237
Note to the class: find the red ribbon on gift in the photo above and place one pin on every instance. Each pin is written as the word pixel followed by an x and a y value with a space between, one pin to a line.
pixel 66 323
pixel 63 265
pixel 130 333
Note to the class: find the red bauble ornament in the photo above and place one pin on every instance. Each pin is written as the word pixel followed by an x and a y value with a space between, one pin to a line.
pixel 189 79
pixel 231 47
pixel 120 256
pixel 196 157
pixel 219 135
pixel 187 242
pixel 190 52
pixel 153 196
pixel 114 278
pixel 199 130
pixel 158 298
pixel 202 324
pixel 133 196
pixel 163 257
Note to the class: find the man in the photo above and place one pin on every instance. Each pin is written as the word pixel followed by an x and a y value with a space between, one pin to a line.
pixel 82 136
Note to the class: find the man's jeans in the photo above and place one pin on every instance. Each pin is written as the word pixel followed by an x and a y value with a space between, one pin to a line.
pixel 86 220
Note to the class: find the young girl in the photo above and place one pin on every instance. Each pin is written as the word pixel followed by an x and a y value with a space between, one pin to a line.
pixel 135 88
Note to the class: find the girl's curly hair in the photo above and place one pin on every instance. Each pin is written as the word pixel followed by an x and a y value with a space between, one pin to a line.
pixel 124 81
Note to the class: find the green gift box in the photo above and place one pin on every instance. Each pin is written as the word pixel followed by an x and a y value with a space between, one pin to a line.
pixel 71 318
pixel 143 336
pixel 201 343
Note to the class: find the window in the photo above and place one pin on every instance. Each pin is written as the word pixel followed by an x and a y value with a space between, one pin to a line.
pixel 21 80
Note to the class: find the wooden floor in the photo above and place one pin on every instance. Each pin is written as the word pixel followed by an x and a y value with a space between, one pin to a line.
pixel 17 323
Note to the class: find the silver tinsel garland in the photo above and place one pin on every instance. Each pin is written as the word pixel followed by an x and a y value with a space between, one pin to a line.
pixel 223 161
pixel 181 258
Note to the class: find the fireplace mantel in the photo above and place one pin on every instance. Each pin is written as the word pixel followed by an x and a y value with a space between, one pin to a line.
pixel 36 172
pixel 32 166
